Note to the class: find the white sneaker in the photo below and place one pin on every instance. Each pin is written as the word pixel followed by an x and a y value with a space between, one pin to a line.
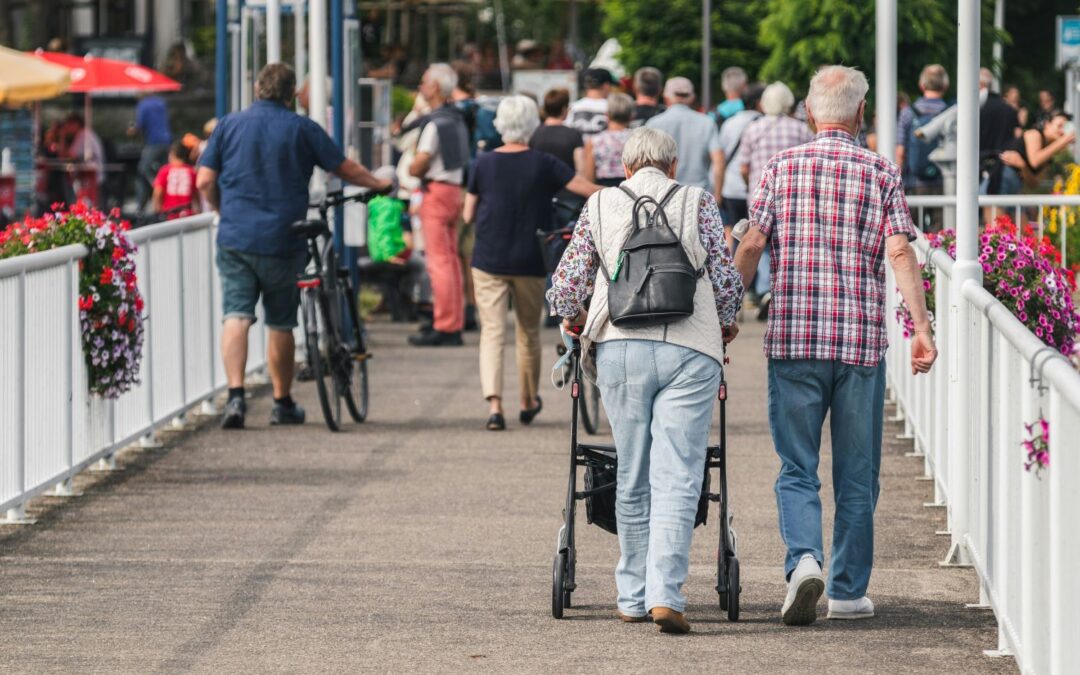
pixel 804 590
pixel 851 609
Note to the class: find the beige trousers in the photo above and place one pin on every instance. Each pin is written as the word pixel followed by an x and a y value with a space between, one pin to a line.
pixel 493 293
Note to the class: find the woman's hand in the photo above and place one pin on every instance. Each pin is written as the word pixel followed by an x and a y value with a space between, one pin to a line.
pixel 1012 158
pixel 730 333
pixel 578 320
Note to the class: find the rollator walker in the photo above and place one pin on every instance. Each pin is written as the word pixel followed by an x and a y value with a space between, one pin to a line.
pixel 599 478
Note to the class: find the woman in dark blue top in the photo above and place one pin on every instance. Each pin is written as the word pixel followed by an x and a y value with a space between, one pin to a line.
pixel 509 199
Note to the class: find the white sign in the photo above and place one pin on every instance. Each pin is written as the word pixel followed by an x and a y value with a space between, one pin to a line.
pixel 1068 41
pixel 540 82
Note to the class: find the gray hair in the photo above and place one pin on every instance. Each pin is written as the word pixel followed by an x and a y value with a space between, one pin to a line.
pixel 777 99
pixel 986 78
pixel 516 118
pixel 445 76
pixel 733 79
pixel 647 81
pixel 934 77
pixel 647 146
pixel 836 92
pixel 620 108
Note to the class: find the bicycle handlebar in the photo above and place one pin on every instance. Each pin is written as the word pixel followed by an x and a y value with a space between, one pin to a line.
pixel 338 198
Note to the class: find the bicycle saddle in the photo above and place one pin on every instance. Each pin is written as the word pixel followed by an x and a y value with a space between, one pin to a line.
pixel 310 228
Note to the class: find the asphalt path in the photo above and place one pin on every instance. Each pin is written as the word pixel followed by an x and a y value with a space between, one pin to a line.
pixel 419 542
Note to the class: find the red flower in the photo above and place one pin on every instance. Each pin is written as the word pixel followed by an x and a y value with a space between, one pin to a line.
pixel 139 304
pixel 106 276
pixel 86 303
pixel 117 253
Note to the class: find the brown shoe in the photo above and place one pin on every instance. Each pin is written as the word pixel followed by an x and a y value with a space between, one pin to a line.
pixel 670 621
pixel 631 619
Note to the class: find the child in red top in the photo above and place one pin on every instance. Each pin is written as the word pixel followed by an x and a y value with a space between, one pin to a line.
pixel 174 187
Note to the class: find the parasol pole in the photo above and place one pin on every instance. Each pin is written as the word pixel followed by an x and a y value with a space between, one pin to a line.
pixel 87 116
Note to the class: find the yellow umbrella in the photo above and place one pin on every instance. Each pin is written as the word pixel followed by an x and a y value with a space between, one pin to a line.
pixel 25 78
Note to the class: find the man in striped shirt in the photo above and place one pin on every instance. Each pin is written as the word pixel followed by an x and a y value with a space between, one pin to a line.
pixel 829 213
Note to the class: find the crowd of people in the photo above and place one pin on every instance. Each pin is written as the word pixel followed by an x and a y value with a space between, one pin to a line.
pixel 799 182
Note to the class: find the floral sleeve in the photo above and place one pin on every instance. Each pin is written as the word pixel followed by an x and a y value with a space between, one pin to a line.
pixel 726 282
pixel 572 283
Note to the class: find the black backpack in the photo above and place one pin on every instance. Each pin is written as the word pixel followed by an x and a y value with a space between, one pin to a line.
pixel 918 150
pixel 654 281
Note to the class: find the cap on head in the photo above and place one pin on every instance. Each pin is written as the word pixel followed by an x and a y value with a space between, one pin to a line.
pixel 679 87
pixel 598 77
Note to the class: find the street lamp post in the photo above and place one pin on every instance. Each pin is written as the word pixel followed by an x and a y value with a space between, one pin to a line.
pixel 706 60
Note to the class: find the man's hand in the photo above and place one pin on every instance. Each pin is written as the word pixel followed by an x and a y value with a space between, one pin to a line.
pixel 923 352
pixel 730 332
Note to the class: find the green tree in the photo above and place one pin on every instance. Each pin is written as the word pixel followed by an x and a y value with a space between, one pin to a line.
pixel 667 35
pixel 801 35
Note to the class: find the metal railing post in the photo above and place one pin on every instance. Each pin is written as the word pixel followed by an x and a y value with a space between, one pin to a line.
pixel 16 514
pixel 150 439
pixel 64 487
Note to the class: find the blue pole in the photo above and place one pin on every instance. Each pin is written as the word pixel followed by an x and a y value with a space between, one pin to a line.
pixel 221 57
pixel 337 76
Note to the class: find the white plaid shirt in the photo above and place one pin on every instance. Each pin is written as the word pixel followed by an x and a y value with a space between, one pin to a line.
pixel 827 208
pixel 766 136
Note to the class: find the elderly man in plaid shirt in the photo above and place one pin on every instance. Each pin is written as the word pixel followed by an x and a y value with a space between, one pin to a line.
pixel 830 213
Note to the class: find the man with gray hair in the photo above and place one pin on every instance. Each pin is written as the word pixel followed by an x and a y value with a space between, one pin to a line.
pixel 441 155
pixel 658 382
pixel 912 152
pixel 647 83
pixel 696 135
pixel 733 81
pixel 831 212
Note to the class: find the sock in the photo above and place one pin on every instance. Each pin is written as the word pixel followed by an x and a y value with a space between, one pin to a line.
pixel 286 401
pixel 236 392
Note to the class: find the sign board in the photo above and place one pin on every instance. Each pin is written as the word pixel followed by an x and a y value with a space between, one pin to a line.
pixel 539 82
pixel 1068 41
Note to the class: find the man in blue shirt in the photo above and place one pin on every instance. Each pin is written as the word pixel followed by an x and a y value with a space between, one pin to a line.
pixel 255 173
pixel 152 122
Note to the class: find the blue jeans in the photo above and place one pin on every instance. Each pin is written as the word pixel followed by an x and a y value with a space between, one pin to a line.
pixel 801 393
pixel 659 399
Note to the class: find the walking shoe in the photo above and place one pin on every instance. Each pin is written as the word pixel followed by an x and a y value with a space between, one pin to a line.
pixel 626 618
pixel 234 414
pixel 286 414
pixel 763 306
pixel 470 319
pixel 527 416
pixel 670 621
pixel 851 609
pixel 436 338
pixel 804 589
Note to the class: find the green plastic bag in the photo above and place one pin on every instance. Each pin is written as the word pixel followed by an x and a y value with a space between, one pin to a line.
pixel 384 228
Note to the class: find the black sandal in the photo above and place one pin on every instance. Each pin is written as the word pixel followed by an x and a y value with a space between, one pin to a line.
pixel 496 422
pixel 527 416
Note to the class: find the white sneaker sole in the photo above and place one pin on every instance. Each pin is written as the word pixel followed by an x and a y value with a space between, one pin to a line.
pixel 849 616
pixel 803 609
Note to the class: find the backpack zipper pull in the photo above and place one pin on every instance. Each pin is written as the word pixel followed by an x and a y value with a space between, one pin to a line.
pixel 618 266
pixel 644 278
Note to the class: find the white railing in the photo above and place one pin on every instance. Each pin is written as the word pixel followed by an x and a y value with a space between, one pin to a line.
pixel 1018 529
pixel 52 428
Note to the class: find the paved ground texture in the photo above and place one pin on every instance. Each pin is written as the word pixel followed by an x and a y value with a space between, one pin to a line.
pixel 419 542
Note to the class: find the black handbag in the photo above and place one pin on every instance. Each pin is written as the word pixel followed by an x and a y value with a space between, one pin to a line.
pixel 653 281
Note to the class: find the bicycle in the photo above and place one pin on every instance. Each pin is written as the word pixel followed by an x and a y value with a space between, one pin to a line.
pixel 337 353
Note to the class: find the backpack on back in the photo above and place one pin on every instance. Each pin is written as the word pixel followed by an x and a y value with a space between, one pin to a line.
pixel 653 281
pixel 918 161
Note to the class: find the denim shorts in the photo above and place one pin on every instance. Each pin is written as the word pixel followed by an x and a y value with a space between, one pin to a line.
pixel 246 276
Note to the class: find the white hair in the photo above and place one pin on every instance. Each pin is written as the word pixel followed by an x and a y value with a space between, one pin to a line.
pixel 733 79
pixel 516 118
pixel 986 78
pixel 777 99
pixel 445 76
pixel 647 146
pixel 836 93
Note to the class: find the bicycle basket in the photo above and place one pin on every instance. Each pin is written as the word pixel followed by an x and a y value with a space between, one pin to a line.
pixel 600 507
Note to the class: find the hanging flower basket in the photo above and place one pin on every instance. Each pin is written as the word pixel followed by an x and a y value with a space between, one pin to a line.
pixel 109 302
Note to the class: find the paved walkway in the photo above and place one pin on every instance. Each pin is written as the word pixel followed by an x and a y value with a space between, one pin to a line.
pixel 420 543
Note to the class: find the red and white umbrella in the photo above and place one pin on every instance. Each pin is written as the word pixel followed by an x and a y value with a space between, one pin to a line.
pixel 95 75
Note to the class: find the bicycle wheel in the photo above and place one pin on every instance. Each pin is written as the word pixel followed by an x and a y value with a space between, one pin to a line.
pixel 589 406
pixel 353 367
pixel 321 345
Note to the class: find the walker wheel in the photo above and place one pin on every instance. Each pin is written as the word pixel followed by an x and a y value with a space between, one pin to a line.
pixel 733 590
pixel 560 597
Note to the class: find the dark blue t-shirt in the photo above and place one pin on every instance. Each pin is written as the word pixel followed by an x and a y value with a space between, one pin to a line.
pixel 264 157
pixel 515 190
pixel 152 120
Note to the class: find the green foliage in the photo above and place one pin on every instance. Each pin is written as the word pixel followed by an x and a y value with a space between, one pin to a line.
pixel 667 35
pixel 801 35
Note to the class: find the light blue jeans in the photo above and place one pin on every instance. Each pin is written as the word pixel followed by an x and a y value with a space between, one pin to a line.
pixel 659 399
pixel 801 393
pixel 763 279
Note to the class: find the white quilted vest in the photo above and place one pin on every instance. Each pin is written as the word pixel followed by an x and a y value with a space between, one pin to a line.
pixel 609 213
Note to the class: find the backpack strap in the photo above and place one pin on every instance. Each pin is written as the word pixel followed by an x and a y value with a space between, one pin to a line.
pixel 600 235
